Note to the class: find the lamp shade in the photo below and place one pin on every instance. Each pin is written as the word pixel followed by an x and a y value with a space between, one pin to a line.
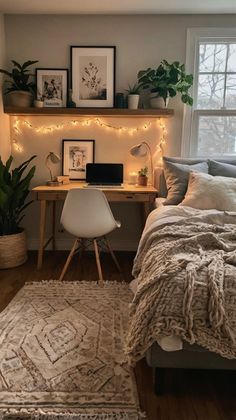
pixel 139 150
pixel 53 157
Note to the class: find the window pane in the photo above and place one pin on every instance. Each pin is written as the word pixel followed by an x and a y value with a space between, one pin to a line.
pixel 232 58
pixel 212 57
pixel 217 136
pixel 210 91
pixel 230 98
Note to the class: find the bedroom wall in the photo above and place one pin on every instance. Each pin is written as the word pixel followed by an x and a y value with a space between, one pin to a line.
pixel 5 146
pixel 141 41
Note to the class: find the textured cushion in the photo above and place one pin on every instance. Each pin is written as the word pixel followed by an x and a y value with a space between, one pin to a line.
pixel 177 176
pixel 222 169
pixel 210 192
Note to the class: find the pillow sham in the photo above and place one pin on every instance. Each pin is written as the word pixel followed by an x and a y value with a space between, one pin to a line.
pixel 210 192
pixel 222 168
pixel 176 176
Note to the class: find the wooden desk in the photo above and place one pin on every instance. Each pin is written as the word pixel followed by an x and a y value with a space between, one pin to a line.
pixel 46 195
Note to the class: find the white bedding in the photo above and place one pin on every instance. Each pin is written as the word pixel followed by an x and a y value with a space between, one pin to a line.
pixel 159 217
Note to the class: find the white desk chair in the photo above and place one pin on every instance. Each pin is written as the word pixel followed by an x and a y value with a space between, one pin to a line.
pixel 87 215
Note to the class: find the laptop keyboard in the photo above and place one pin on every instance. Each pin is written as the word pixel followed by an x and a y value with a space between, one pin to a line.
pixel 110 186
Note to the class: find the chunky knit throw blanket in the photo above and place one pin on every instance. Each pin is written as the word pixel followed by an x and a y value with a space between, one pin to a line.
pixel 187 286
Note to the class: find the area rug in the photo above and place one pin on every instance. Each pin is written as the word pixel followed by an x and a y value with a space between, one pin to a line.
pixel 61 353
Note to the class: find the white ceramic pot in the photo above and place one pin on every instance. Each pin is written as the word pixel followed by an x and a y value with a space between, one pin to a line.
pixel 38 103
pixel 157 101
pixel 133 101
pixel 19 98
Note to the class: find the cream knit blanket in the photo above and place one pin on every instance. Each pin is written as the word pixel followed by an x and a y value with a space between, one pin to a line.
pixel 187 287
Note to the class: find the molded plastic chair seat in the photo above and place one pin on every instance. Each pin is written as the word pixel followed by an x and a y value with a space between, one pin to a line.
pixel 87 215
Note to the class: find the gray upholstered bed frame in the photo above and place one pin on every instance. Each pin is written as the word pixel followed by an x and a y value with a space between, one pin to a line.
pixel 191 356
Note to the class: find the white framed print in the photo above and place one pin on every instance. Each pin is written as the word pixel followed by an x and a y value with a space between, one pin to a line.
pixel 93 76
pixel 75 155
pixel 52 86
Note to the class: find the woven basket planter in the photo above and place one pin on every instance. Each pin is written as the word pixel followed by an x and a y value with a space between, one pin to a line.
pixel 13 250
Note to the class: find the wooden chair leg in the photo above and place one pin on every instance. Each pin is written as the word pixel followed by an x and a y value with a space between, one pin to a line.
pixel 101 282
pixel 113 255
pixel 159 381
pixel 69 258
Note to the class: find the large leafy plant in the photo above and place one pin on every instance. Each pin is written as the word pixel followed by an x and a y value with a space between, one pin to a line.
pixel 167 80
pixel 14 189
pixel 19 78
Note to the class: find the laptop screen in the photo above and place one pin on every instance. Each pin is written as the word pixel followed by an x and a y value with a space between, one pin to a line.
pixel 104 173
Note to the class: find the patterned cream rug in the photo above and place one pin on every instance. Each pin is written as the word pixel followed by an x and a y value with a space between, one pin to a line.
pixel 61 353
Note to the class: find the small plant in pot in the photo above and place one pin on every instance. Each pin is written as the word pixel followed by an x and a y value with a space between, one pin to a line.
pixel 14 189
pixel 21 89
pixel 142 176
pixel 133 96
pixel 165 82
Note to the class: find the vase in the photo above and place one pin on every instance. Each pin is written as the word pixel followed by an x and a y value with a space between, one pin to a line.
pixel 158 101
pixel 133 101
pixel 19 98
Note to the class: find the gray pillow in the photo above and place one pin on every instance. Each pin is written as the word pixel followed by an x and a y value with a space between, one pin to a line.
pixel 222 169
pixel 177 176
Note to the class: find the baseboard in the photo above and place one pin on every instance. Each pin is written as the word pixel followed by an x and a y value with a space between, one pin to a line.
pixel 65 244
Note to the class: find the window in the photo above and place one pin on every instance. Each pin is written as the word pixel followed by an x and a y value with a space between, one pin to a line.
pixel 210 126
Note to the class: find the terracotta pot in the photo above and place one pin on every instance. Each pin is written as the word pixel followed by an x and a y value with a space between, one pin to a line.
pixel 13 250
pixel 19 98
pixel 142 180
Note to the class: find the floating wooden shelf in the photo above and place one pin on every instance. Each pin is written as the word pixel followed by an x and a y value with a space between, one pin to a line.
pixel 106 112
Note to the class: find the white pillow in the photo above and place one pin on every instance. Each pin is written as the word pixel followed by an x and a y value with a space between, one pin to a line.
pixel 210 192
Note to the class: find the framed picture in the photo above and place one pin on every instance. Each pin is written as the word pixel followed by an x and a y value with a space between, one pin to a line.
pixel 75 155
pixel 52 85
pixel 93 76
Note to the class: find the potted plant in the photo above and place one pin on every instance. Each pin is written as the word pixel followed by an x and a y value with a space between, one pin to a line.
pixel 14 189
pixel 142 176
pixel 20 91
pixel 133 96
pixel 165 82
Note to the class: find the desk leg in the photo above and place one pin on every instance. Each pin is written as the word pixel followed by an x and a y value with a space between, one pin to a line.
pixel 41 232
pixel 54 225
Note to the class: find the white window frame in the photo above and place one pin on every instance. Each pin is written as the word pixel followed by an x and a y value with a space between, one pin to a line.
pixel 190 123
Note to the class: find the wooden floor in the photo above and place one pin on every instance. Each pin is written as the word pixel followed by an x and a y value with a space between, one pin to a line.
pixel 189 395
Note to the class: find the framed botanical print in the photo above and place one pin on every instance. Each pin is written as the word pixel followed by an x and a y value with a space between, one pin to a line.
pixel 52 86
pixel 75 155
pixel 93 76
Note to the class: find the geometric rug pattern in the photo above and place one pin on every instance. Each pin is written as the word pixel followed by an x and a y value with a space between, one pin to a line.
pixel 61 353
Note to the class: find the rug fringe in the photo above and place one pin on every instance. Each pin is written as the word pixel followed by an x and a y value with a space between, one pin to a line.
pixel 77 282
pixel 39 414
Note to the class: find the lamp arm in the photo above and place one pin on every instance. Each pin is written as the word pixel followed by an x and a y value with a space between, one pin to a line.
pixel 48 166
pixel 151 160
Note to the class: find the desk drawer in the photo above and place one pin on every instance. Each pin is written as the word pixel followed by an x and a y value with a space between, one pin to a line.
pixel 124 196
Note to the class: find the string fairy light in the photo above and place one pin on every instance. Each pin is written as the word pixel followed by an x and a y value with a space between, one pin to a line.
pixel 75 123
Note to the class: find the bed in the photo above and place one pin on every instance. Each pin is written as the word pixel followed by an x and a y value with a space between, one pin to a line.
pixel 183 314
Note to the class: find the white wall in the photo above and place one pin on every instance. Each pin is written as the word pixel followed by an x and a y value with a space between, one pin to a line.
pixel 5 147
pixel 141 41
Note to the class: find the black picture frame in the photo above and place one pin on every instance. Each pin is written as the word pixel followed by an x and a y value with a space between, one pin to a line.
pixel 75 155
pixel 47 94
pixel 86 92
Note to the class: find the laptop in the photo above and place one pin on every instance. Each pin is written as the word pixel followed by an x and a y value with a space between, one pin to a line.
pixel 104 175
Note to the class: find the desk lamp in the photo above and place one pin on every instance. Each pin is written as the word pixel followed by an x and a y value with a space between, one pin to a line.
pixel 52 158
pixel 143 149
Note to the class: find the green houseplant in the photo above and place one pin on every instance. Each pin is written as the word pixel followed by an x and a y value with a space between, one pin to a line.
pixel 167 81
pixel 20 87
pixel 142 176
pixel 14 189
pixel 133 96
